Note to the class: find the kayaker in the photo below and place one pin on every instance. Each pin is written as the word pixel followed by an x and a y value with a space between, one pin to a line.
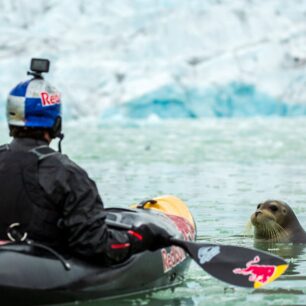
pixel 48 198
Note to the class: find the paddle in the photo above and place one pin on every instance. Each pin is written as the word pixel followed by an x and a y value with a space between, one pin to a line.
pixel 235 265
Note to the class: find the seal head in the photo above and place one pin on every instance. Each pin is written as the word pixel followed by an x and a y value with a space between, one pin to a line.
pixel 275 221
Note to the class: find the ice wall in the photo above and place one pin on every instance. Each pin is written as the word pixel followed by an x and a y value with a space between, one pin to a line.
pixel 107 55
pixel 232 100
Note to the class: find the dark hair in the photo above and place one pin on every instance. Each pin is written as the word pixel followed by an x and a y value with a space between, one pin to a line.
pixel 27 132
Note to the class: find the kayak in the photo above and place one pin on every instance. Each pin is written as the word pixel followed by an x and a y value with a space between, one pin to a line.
pixel 33 274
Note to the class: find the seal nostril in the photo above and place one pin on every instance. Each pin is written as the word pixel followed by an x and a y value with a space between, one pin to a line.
pixel 257 212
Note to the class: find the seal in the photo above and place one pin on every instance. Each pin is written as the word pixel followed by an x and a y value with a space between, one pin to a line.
pixel 275 221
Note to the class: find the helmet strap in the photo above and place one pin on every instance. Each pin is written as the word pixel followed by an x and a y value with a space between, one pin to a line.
pixel 61 137
pixel 56 128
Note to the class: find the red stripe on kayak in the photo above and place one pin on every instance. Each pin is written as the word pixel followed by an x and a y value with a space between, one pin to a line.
pixel 4 242
pixel 120 245
pixel 135 234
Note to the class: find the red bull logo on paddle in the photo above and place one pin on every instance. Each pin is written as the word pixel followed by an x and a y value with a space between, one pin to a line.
pixel 258 273
pixel 49 99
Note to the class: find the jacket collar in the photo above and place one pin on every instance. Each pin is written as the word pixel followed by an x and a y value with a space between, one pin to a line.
pixel 26 144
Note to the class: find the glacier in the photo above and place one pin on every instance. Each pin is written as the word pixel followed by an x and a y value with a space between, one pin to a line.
pixel 161 58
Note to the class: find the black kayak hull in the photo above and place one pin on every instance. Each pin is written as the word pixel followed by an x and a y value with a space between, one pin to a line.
pixel 127 280
pixel 34 277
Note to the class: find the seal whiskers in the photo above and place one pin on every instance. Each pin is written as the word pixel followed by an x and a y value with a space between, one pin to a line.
pixel 248 230
pixel 278 233
pixel 270 230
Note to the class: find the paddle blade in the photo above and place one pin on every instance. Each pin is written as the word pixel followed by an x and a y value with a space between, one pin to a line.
pixel 235 265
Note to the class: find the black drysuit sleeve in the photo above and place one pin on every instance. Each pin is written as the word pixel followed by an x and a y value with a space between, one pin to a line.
pixel 83 215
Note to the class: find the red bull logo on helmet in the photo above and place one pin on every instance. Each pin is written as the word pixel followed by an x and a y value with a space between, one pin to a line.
pixel 258 273
pixel 50 99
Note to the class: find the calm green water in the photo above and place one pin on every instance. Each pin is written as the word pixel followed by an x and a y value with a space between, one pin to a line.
pixel 222 169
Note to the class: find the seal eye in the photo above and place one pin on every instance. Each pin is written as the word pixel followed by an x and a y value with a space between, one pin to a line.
pixel 258 206
pixel 273 207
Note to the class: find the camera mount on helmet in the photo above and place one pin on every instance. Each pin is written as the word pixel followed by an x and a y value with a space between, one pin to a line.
pixel 39 66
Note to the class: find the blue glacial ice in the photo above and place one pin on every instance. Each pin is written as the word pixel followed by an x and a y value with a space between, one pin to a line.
pixel 232 100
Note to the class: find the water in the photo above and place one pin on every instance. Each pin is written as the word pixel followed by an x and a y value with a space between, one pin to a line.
pixel 222 168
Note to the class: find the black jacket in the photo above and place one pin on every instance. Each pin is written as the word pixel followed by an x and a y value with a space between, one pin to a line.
pixel 71 197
